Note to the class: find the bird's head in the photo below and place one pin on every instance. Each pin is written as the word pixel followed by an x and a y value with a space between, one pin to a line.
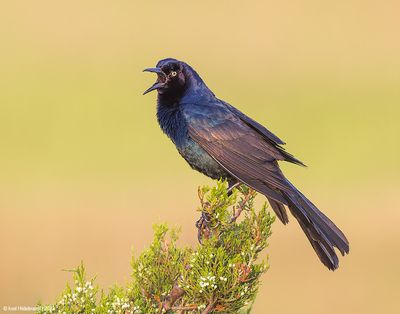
pixel 171 76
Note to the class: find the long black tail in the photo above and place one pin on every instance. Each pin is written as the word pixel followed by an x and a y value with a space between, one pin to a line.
pixel 322 233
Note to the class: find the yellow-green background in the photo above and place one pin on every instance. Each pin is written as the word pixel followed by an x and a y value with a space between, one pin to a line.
pixel 85 170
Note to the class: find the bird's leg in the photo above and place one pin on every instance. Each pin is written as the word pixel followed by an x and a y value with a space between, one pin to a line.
pixel 232 186
pixel 203 226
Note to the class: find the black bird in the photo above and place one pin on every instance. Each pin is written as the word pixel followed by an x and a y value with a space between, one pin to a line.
pixel 218 140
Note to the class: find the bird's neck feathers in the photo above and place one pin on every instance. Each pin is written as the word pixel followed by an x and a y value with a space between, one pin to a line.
pixel 172 123
pixel 197 90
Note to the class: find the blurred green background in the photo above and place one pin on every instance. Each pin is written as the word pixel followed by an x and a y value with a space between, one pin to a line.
pixel 85 170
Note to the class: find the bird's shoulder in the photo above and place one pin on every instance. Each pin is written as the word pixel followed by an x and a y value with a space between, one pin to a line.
pixel 214 121
pixel 209 113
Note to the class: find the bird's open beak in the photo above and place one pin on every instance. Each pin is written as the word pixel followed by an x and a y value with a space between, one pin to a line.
pixel 160 81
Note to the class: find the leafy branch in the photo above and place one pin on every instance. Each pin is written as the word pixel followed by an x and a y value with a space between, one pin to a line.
pixel 221 275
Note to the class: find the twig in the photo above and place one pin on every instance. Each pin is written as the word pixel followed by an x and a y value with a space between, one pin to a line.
pixel 175 294
pixel 184 308
pixel 209 307
pixel 238 211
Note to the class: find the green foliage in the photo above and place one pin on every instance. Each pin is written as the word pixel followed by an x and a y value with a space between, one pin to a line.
pixel 221 276
pixel 79 299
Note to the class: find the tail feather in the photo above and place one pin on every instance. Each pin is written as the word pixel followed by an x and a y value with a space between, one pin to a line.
pixel 322 233
pixel 323 248
pixel 279 210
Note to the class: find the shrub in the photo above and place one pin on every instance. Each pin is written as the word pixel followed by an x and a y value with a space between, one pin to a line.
pixel 222 275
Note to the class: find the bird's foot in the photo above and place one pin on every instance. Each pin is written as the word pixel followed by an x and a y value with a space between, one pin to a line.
pixel 203 226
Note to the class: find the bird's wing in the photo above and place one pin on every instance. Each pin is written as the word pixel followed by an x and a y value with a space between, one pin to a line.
pixel 255 125
pixel 264 132
pixel 237 147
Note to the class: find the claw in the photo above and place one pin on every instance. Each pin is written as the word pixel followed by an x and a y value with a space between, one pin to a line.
pixel 203 227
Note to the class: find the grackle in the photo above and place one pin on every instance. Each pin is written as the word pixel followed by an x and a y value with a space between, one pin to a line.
pixel 218 140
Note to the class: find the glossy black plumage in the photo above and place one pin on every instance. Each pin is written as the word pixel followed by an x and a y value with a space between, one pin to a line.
pixel 220 141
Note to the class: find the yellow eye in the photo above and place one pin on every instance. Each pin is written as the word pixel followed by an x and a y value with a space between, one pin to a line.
pixel 173 73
